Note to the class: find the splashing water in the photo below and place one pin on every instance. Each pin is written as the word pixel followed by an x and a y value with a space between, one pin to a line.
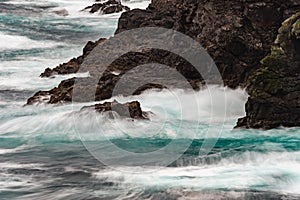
pixel 42 154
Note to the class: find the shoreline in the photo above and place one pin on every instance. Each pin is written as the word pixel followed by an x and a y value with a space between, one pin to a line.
pixel 237 57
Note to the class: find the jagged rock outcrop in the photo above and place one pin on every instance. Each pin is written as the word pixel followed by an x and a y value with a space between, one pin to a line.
pixel 113 73
pixel 60 94
pixel 127 110
pixel 73 65
pixel 108 7
pixel 274 88
pixel 238 34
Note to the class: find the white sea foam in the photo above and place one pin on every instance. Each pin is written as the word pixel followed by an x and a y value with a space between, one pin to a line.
pixel 166 122
pixel 277 172
pixel 15 165
pixel 141 4
pixel 74 8
pixel 14 42
pixel 266 166
pixel 7 182
pixel 169 120
pixel 215 106
pixel 14 150
pixel 24 74
pixel 19 182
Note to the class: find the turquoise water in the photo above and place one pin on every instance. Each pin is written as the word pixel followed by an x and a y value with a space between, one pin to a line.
pixel 52 152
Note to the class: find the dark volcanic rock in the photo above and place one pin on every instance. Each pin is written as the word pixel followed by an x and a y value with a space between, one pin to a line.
pixel 73 65
pixel 274 88
pixel 107 82
pixel 60 94
pixel 108 7
pixel 128 110
pixel 236 33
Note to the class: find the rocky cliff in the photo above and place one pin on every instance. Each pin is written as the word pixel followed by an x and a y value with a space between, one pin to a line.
pixel 274 88
pixel 238 34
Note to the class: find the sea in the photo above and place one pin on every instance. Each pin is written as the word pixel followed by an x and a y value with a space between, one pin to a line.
pixel 183 152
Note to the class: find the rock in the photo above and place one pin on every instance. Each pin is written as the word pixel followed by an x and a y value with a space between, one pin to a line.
pixel 237 34
pixel 39 97
pixel 148 87
pixel 62 12
pixel 236 40
pixel 73 65
pixel 60 94
pixel 108 7
pixel 128 110
pixel 107 82
pixel 274 88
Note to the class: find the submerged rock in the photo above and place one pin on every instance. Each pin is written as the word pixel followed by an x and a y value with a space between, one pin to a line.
pixel 108 7
pixel 62 12
pixel 274 88
pixel 128 110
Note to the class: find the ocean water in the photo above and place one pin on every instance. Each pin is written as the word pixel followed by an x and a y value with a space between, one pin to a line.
pixel 54 152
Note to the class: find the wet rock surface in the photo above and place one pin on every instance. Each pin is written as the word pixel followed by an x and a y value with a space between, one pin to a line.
pixel 115 72
pixel 108 7
pixel 127 110
pixel 238 35
pixel 274 88
pixel 60 94
pixel 73 65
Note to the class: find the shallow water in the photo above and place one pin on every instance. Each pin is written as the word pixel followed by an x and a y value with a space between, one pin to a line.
pixel 50 152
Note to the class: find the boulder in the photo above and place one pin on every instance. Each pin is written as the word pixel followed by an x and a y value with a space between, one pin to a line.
pixel 62 12
pixel 108 7
pixel 127 110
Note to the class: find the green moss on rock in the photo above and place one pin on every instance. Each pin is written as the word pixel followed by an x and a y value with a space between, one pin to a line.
pixel 266 81
pixel 296 29
pixel 290 29
pixel 273 88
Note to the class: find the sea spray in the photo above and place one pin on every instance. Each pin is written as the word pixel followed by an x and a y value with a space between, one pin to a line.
pixel 42 155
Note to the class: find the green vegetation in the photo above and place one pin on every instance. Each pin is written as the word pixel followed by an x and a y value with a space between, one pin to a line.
pixel 269 80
